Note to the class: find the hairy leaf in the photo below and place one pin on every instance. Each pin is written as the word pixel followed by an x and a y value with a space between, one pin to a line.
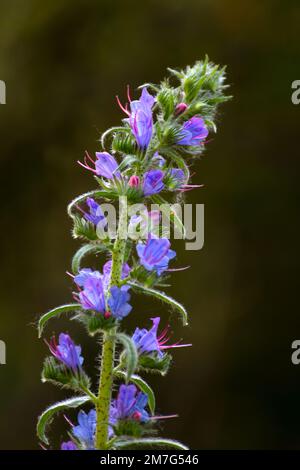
pixel 131 353
pixel 55 313
pixel 84 251
pixel 47 416
pixel 150 443
pixel 163 297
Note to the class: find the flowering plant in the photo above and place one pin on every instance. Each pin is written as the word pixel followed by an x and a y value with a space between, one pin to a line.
pixel 148 163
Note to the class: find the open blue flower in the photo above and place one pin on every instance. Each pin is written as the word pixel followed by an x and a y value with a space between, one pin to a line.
pixel 85 431
pixel 141 120
pixel 95 215
pixel 118 302
pixel 193 132
pixel 148 341
pixel 153 182
pixel 66 351
pixel 69 445
pixel 95 285
pixel 92 295
pixel 155 254
pixel 106 165
pixel 129 404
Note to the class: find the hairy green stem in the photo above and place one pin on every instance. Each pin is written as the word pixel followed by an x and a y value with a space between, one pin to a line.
pixel 108 347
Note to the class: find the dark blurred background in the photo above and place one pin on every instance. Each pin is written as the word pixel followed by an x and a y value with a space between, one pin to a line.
pixel 63 62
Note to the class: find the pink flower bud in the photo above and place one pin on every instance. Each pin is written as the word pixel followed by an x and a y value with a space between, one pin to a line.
pixel 107 315
pixel 137 416
pixel 180 108
pixel 134 181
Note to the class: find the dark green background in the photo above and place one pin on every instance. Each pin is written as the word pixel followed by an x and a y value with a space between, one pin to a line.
pixel 63 63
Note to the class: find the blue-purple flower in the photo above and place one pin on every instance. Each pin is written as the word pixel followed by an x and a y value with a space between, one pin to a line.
pixel 66 351
pixel 95 215
pixel 69 445
pixel 129 404
pixel 118 302
pixel 148 341
pixel 94 286
pixel 177 177
pixel 193 132
pixel 92 296
pixel 105 165
pixel 155 254
pixel 153 182
pixel 140 118
pixel 86 428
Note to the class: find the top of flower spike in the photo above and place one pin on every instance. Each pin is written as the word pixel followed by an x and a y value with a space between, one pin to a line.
pixel 140 118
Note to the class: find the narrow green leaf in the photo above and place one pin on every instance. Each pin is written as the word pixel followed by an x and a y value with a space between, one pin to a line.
pixel 131 353
pixel 47 416
pixel 82 252
pixel 54 313
pixel 163 297
pixel 147 443
pixel 143 386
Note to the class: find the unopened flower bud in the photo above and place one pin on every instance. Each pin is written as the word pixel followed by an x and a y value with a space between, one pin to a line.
pixel 107 315
pixel 180 108
pixel 134 181
pixel 137 416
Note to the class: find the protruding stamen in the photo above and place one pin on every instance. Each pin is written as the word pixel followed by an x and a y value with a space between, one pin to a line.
pixel 125 110
pixel 128 93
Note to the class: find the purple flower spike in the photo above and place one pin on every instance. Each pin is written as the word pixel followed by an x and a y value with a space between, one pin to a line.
pixel 96 215
pixel 193 132
pixel 147 341
pixel 66 352
pixel 85 431
pixel 69 445
pixel 118 302
pixel 141 120
pixel 130 404
pixel 155 254
pixel 153 182
pixel 106 165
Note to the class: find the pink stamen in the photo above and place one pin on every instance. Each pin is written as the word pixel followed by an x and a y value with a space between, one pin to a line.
pixel 164 417
pixel 89 157
pixel 176 345
pixel 164 333
pixel 70 274
pixel 86 166
pixel 125 110
pixel 75 296
pixel 128 93
pixel 68 421
pixel 171 270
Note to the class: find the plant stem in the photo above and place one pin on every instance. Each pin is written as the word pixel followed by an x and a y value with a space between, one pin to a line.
pixel 108 347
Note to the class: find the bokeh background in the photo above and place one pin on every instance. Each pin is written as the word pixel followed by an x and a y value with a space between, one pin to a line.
pixel 63 63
